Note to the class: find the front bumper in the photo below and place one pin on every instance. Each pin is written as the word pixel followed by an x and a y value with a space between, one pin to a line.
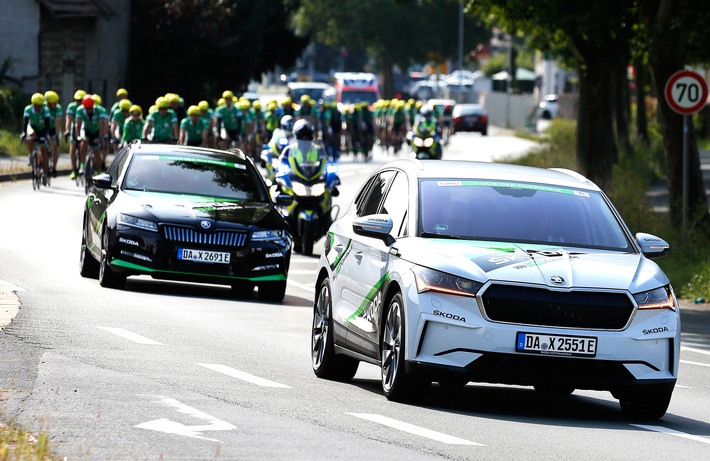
pixel 450 335
pixel 136 252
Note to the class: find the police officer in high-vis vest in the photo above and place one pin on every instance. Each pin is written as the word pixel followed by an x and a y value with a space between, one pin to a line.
pixel 306 158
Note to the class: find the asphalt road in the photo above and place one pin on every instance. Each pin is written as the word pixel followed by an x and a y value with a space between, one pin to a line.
pixel 180 371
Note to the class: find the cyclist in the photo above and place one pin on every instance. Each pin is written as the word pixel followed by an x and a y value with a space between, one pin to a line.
pixel 272 118
pixel 105 136
pixel 177 105
pixel 121 94
pixel 287 106
pixel 37 116
pixel 90 126
pixel 207 115
pixel 55 126
pixel 133 126
pixel 69 130
pixel 193 129
pixel 162 126
pixel 118 119
pixel 229 117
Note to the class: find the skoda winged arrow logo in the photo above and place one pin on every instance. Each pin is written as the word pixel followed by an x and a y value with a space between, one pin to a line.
pixel 205 224
pixel 557 280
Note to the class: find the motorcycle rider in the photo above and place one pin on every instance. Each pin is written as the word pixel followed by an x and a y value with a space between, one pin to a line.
pixel 275 146
pixel 306 157
pixel 426 125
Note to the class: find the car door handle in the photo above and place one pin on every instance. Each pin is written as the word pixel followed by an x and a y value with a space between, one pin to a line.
pixel 339 248
pixel 359 255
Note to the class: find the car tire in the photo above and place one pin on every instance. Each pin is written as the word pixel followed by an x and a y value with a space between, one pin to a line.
pixel 274 291
pixel 88 266
pixel 484 132
pixel 397 385
pixel 326 363
pixel 107 277
pixel 647 403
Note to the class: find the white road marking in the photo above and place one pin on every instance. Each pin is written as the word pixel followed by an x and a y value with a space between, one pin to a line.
pixel 302 286
pixel 172 427
pixel 682 387
pixel 305 260
pixel 695 363
pixel 136 338
pixel 665 430
pixel 416 430
pixel 242 375
pixel 692 349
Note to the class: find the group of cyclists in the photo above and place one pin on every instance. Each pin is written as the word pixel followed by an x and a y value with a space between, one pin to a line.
pixel 236 122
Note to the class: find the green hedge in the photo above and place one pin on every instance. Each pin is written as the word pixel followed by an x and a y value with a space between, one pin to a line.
pixel 12 103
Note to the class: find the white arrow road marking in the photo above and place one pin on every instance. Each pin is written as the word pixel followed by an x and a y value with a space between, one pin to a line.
pixel 695 363
pixel 692 349
pixel 665 430
pixel 136 338
pixel 302 286
pixel 172 427
pixel 242 375
pixel 412 429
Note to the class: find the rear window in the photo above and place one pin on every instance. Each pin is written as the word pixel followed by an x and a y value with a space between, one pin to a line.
pixel 207 176
pixel 468 110
pixel 354 97
pixel 519 212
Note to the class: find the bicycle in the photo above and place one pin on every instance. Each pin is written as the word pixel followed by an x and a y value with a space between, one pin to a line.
pixel 88 174
pixel 40 177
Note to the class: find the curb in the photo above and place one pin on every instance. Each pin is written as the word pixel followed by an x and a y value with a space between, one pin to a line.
pixel 9 303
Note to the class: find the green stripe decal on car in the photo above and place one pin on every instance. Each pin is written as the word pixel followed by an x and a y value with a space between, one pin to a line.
pixel 370 296
pixel 138 267
pixel 339 259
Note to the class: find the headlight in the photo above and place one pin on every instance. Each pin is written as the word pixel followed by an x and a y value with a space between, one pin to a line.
pixel 418 142
pixel 138 223
pixel 266 236
pixel 660 298
pixel 300 189
pixel 431 280
pixel 308 191
pixel 429 142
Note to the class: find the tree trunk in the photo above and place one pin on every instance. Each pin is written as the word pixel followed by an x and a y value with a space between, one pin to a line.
pixel 622 108
pixel 641 114
pixel 388 75
pixel 596 149
pixel 666 58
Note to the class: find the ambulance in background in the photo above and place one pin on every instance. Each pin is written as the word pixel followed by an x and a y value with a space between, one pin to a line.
pixel 356 87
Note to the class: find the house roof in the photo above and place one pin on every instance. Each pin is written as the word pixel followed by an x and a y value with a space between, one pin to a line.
pixel 77 8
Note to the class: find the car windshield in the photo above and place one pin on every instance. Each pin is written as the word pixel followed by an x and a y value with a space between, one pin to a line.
pixel 354 97
pixel 207 176
pixel 511 211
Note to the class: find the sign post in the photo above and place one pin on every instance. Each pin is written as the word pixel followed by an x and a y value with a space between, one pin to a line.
pixel 686 93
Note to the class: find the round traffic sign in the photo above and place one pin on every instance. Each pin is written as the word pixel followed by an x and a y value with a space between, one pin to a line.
pixel 686 92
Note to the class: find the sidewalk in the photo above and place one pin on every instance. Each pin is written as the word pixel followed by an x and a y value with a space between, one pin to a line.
pixel 16 168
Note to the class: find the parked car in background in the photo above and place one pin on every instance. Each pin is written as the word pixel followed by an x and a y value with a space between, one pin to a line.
pixel 547 109
pixel 470 117
pixel 313 89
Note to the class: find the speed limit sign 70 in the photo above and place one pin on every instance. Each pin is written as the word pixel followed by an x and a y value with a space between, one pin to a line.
pixel 686 92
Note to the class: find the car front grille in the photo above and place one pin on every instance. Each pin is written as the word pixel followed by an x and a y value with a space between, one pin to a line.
pixel 222 238
pixel 542 307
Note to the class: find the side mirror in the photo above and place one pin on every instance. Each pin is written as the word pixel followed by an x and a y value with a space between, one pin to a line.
pixel 102 181
pixel 376 226
pixel 652 246
pixel 284 200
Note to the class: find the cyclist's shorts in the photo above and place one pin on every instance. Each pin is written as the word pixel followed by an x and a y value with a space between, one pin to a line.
pixel 92 138
pixel 195 143
pixel 232 135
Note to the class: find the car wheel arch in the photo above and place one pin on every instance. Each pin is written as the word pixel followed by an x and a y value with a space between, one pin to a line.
pixel 392 289
pixel 322 275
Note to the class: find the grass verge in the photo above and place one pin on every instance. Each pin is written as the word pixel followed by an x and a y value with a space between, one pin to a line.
pixel 18 445
pixel 688 263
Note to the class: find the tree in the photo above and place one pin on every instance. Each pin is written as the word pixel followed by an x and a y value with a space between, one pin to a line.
pixel 198 48
pixel 401 33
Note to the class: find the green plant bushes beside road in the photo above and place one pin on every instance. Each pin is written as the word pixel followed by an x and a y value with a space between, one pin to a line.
pixel 688 263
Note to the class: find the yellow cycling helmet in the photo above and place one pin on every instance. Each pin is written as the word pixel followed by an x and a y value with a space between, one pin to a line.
pixel 235 100
pixel 194 110
pixel 37 99
pixel 152 109
pixel 221 102
pixel 121 92
pixel 228 94
pixel 305 98
pixel 51 97
pixel 125 104
pixel 97 99
pixel 79 95
pixel 286 101
pixel 136 108
pixel 244 105
pixel 161 103
pixel 203 105
pixel 173 98
pixel 256 105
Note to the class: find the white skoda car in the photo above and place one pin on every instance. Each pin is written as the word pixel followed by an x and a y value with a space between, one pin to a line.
pixel 461 271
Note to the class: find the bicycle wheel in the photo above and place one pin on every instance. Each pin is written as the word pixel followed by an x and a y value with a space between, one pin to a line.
pixel 35 177
pixel 88 171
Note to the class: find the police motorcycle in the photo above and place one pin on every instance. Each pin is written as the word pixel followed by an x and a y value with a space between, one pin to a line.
pixel 424 138
pixel 312 182
pixel 270 153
